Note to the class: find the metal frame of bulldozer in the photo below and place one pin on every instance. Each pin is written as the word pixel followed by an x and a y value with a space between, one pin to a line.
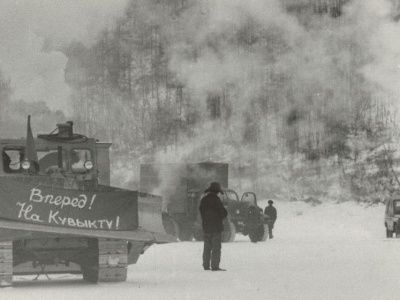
pixel 99 255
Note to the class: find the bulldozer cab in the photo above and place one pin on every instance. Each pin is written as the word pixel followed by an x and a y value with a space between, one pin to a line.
pixel 63 154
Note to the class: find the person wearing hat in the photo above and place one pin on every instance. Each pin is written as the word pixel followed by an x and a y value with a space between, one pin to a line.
pixel 271 215
pixel 212 214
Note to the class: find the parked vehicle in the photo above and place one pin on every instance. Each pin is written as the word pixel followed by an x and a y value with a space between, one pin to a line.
pixel 182 185
pixel 392 217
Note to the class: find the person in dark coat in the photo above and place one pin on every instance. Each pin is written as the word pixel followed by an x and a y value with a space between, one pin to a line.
pixel 212 214
pixel 271 215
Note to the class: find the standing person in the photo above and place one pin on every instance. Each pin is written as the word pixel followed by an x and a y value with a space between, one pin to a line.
pixel 212 214
pixel 270 213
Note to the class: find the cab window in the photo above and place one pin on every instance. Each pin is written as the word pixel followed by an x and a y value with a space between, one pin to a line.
pixel 48 160
pixel 78 159
pixel 12 159
pixel 230 195
pixel 249 198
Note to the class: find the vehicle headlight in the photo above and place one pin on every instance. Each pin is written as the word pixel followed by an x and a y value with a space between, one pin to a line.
pixel 26 165
pixel 88 165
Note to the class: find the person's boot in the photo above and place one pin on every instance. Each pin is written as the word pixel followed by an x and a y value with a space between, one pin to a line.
pixel 218 269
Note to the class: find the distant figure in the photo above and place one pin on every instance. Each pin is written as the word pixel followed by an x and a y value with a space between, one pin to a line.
pixel 212 214
pixel 271 215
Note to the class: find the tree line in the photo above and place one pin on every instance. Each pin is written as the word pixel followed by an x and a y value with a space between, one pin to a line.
pixel 282 101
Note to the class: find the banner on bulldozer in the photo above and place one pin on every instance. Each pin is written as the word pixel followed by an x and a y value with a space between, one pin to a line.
pixel 25 200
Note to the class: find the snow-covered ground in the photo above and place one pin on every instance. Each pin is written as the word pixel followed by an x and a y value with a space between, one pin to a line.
pixel 331 251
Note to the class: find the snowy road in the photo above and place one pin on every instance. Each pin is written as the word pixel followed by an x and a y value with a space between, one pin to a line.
pixel 326 252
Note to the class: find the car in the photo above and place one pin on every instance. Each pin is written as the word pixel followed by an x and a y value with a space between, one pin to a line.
pixel 392 217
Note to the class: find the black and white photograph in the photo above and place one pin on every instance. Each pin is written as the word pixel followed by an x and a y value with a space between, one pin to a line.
pixel 199 149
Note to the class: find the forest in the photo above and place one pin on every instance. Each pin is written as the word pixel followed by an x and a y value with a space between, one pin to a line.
pixel 299 97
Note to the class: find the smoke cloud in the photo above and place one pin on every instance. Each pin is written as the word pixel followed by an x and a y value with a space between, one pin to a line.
pixel 276 56
pixel 380 31
pixel 279 66
pixel 32 34
pixel 208 54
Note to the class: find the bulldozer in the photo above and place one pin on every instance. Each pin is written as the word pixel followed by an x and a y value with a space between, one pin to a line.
pixel 183 184
pixel 59 214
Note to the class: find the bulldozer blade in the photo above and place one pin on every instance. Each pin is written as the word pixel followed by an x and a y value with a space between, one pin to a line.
pixel 150 217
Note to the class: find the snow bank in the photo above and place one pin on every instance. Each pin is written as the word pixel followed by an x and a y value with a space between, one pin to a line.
pixel 329 221
pixel 330 251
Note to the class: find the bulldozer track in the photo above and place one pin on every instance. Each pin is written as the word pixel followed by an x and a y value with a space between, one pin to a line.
pixel 113 260
pixel 6 264
pixel 111 264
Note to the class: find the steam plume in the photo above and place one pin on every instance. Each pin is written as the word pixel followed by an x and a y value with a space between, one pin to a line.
pixel 32 33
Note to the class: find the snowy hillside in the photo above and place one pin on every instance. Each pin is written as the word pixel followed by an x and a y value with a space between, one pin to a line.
pixel 331 251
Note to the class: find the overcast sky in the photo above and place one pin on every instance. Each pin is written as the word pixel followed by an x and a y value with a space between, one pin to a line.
pixel 26 24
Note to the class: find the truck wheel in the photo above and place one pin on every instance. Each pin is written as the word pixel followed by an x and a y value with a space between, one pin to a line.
pixel 228 235
pixel 389 233
pixel 198 234
pixel 170 225
pixel 266 234
pixel 90 274
pixel 253 236
pixel 185 233
pixel 257 234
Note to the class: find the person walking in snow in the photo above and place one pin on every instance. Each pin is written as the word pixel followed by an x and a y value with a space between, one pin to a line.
pixel 212 214
pixel 271 215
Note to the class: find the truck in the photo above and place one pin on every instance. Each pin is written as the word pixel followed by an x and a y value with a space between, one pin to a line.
pixel 59 213
pixel 182 185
